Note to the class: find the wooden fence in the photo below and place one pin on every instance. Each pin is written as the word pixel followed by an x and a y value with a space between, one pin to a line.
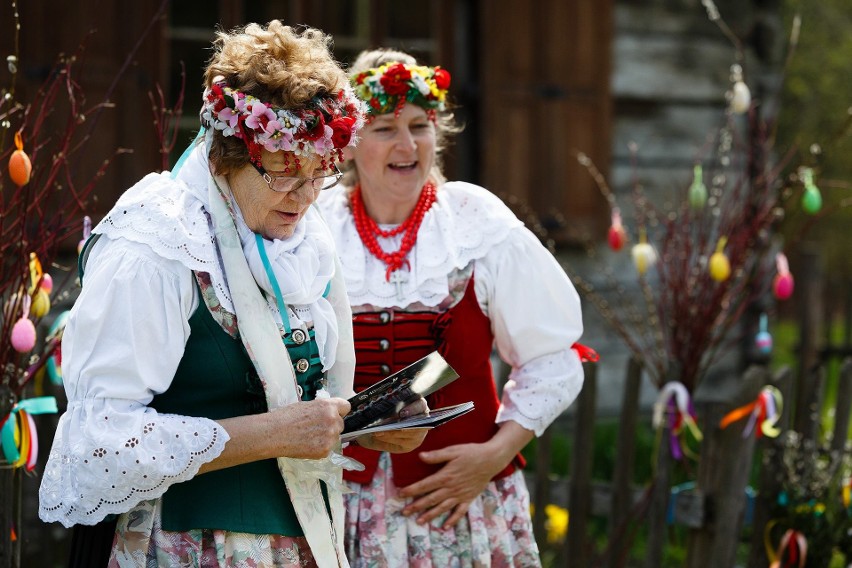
pixel 712 510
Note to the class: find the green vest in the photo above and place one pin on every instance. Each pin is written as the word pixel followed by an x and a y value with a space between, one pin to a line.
pixel 216 379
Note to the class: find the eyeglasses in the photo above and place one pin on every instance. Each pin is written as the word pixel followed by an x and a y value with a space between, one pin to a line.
pixel 286 184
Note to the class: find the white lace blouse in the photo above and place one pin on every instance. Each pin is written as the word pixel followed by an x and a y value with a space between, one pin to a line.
pixel 533 307
pixel 123 342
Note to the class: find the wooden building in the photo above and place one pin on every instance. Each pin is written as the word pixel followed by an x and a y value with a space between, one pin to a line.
pixel 535 82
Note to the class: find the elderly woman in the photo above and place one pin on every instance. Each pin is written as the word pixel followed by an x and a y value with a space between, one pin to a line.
pixel 431 264
pixel 209 356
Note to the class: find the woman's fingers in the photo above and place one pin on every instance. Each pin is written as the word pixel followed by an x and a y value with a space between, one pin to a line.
pixel 415 408
pixel 310 430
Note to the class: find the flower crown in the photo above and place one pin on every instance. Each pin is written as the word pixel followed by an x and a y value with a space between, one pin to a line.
pixel 388 87
pixel 327 125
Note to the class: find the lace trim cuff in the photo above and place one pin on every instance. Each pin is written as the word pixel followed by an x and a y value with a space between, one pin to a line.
pixel 108 464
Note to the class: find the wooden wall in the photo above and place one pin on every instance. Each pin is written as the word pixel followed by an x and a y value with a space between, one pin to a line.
pixel 110 32
pixel 545 96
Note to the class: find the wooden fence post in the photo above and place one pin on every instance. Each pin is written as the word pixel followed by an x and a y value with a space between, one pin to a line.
pixel 810 300
pixel 10 496
pixel 722 475
pixel 622 481
pixel 841 409
pixel 580 492
pixel 808 419
pixel 659 508
pixel 768 483
pixel 542 485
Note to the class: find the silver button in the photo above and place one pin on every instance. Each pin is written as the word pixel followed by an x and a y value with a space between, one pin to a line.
pixel 302 365
pixel 385 369
pixel 299 336
pixel 300 390
pixel 384 345
pixel 384 317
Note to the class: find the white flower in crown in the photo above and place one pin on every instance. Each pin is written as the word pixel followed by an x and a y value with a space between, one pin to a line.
pixel 375 84
pixel 227 122
pixel 420 83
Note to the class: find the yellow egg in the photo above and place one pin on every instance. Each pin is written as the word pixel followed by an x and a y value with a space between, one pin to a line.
pixel 40 305
pixel 720 267
pixel 644 256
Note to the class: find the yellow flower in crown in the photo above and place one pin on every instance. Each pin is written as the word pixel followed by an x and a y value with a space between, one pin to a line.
pixel 388 87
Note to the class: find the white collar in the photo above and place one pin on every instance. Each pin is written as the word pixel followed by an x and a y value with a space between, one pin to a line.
pixel 464 224
pixel 170 214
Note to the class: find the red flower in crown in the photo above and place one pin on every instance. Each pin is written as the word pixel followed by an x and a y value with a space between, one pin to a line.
pixel 442 78
pixel 341 131
pixel 217 97
pixel 316 130
pixel 395 79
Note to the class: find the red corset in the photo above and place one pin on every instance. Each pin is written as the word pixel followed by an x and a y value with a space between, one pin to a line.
pixel 389 340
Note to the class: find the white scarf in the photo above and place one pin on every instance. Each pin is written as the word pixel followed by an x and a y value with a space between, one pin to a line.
pixel 303 264
pixel 259 334
pixel 303 268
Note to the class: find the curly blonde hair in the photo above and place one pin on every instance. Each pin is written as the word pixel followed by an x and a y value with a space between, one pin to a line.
pixel 278 64
pixel 445 123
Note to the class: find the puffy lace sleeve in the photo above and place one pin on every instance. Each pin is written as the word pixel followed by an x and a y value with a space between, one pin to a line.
pixel 124 339
pixel 535 316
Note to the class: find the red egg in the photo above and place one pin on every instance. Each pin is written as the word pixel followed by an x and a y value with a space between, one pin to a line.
pixel 783 286
pixel 616 237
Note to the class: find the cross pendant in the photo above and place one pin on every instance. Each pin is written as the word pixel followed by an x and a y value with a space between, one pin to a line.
pixel 398 280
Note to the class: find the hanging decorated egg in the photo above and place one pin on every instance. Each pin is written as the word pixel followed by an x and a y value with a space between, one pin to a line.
pixel 23 332
pixel 740 98
pixel 20 167
pixel 23 336
pixel 616 237
pixel 763 340
pixel 47 283
pixel 40 304
pixel 697 191
pixel 811 198
pixel 54 362
pixel 644 255
pixel 782 286
pixel 720 266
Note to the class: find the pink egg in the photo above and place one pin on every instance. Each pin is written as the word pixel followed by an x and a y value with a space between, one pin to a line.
pixel 23 336
pixel 47 283
pixel 783 286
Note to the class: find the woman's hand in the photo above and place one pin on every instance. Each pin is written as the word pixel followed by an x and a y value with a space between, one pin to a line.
pixel 394 441
pixel 307 430
pixel 399 441
pixel 467 470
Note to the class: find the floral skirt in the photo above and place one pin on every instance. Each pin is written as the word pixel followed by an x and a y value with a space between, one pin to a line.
pixel 496 532
pixel 140 542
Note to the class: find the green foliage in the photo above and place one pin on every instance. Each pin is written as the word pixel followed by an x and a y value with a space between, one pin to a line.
pixel 816 109
pixel 786 338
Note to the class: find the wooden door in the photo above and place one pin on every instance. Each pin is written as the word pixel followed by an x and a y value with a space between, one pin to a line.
pixel 545 97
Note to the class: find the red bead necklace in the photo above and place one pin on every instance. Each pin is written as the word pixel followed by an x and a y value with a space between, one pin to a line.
pixel 368 229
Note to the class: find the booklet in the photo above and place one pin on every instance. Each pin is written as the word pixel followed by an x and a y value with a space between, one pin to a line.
pixel 377 406
pixel 434 418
